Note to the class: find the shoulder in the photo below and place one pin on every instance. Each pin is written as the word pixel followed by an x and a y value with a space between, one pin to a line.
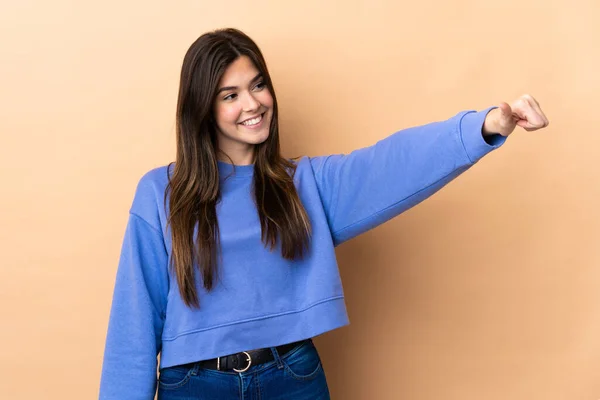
pixel 150 191
pixel 317 165
pixel 301 166
pixel 155 179
pixel 307 163
pixel 158 176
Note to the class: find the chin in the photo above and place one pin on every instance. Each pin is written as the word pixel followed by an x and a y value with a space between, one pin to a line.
pixel 260 139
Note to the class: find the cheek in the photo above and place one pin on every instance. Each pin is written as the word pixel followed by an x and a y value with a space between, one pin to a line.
pixel 266 99
pixel 227 115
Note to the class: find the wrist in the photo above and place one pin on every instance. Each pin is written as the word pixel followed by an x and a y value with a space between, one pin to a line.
pixel 489 127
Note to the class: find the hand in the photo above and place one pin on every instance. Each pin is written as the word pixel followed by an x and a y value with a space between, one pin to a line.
pixel 524 112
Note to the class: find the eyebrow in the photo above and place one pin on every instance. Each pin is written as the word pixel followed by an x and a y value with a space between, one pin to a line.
pixel 223 89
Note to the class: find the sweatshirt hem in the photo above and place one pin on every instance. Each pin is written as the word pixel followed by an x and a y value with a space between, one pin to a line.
pixel 252 334
pixel 243 321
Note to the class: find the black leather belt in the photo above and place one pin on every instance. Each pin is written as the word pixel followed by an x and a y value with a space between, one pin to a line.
pixel 240 362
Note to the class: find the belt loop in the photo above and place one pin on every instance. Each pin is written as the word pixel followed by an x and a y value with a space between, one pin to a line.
pixel 195 369
pixel 277 358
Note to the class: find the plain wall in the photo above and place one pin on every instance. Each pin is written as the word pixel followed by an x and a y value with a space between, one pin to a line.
pixel 488 290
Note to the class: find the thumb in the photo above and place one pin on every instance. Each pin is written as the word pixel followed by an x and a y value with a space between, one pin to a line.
pixel 505 112
pixel 500 120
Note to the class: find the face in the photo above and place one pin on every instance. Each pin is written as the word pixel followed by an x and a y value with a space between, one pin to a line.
pixel 243 110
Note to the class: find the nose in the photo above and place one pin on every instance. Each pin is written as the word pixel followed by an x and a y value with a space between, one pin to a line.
pixel 250 103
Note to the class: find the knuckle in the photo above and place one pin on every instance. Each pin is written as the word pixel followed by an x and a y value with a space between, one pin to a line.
pixel 523 102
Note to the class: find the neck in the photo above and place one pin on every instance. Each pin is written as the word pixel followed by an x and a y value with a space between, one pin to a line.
pixel 246 158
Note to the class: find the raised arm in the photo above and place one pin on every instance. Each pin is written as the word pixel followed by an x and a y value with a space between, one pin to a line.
pixel 371 185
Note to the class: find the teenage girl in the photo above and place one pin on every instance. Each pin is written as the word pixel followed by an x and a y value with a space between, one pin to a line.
pixel 228 266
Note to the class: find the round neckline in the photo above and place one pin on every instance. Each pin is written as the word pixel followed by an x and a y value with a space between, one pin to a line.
pixel 226 169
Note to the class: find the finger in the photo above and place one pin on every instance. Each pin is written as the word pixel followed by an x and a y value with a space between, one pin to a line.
pixel 530 129
pixel 531 120
pixel 538 109
pixel 536 106
pixel 528 116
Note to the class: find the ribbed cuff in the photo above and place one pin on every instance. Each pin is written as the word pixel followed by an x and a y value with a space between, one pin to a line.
pixel 471 134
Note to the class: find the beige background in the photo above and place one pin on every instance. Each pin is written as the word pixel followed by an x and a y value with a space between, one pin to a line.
pixel 488 290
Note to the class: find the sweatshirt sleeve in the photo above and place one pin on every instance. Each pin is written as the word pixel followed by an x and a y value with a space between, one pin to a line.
pixel 133 341
pixel 369 186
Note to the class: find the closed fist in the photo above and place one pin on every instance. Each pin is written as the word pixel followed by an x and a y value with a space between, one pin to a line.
pixel 524 112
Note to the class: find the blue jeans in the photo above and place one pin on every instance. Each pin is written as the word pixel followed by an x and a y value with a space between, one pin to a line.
pixel 297 375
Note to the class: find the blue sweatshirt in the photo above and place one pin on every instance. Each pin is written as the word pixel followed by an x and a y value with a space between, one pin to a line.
pixel 261 299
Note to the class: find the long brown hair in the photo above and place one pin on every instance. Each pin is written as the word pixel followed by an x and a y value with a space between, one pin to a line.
pixel 194 183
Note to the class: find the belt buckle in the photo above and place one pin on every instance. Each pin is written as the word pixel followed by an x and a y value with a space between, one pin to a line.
pixel 249 359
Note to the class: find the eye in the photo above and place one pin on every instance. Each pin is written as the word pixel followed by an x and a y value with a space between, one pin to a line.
pixel 260 85
pixel 230 96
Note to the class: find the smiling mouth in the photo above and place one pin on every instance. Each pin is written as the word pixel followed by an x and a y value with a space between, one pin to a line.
pixel 253 121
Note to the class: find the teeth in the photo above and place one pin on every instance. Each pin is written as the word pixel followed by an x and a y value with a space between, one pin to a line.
pixel 253 121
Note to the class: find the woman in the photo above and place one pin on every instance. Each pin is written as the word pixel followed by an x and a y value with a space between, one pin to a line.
pixel 228 266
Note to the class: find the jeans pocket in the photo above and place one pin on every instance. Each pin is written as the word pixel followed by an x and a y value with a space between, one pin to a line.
pixel 174 377
pixel 303 363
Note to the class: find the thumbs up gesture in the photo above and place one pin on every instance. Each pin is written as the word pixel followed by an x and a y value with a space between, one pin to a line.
pixel 524 112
